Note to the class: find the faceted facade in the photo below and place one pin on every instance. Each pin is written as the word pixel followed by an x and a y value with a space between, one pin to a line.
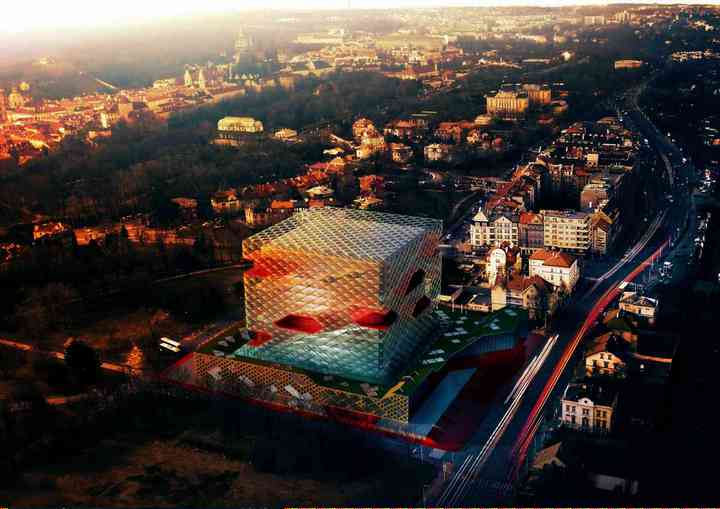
pixel 342 292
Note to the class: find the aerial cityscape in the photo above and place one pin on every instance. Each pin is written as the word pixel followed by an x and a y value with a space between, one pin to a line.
pixel 359 254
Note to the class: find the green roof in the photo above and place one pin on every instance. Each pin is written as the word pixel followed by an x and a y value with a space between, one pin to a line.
pixel 458 330
pixel 461 329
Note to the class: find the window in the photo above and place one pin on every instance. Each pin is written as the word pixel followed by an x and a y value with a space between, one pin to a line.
pixel 586 411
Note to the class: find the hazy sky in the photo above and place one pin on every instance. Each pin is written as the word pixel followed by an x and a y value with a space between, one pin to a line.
pixel 16 16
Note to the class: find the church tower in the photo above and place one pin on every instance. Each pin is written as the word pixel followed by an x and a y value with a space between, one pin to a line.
pixel 3 107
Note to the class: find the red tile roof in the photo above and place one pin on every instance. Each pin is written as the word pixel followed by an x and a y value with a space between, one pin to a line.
pixel 530 218
pixel 554 258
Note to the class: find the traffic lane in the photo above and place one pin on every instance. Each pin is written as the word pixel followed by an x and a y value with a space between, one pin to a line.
pixel 498 463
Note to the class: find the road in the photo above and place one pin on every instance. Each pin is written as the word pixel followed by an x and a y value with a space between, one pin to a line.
pixel 26 347
pixel 487 472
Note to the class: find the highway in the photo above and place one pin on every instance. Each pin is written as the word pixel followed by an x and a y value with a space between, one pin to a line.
pixel 490 467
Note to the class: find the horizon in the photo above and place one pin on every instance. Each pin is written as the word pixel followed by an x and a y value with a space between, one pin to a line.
pixel 86 14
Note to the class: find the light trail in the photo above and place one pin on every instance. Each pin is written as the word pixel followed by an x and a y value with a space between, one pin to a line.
pixel 525 437
pixel 533 367
pixel 637 248
pixel 473 464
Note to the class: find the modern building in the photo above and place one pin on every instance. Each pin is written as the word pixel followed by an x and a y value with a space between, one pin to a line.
pixel 341 292
pixel 340 324
pixel 567 230
pixel 589 406
pixel 508 102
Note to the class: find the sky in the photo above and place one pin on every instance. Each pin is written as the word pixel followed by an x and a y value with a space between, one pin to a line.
pixel 17 17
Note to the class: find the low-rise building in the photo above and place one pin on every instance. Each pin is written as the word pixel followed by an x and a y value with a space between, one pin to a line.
pixel 607 355
pixel 556 267
pixel 246 125
pixel 639 305
pixel 225 202
pixel 628 64
pixel 372 144
pixel 286 135
pixel 436 152
pixel 401 153
pixel 608 466
pixel 589 406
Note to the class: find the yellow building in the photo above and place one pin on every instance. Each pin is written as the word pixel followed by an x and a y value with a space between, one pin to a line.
pixel 507 103
pixel 539 95
pixel 240 125
pixel 567 230
pixel 628 64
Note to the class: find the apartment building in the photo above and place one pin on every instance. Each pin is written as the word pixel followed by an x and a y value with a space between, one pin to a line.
pixel 494 231
pixel 531 232
pixel 567 230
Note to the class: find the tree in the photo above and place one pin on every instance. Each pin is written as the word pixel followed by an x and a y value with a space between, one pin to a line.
pixel 83 361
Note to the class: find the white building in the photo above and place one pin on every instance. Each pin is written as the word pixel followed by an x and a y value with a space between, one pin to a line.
pixel 607 355
pixel 589 406
pixel 555 267
pixel 501 229
pixel 639 305
pixel 240 125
